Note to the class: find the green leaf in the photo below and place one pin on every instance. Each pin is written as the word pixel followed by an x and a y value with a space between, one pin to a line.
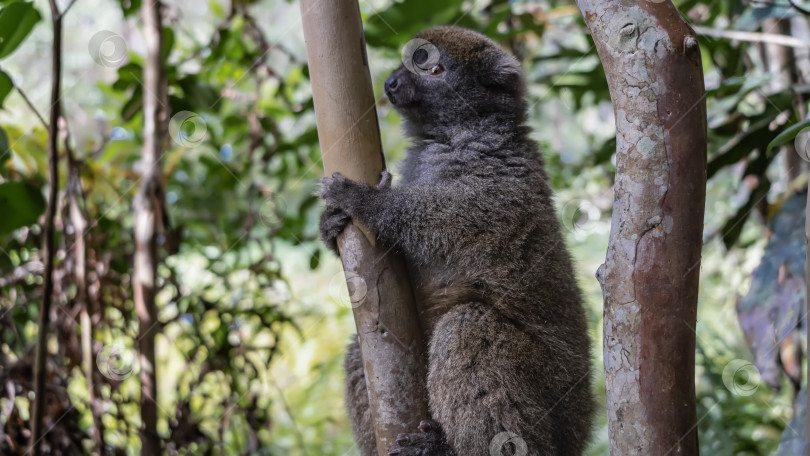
pixel 168 42
pixel 129 6
pixel 21 205
pixel 133 105
pixel 4 147
pixel 200 95
pixel 733 227
pixel 16 21
pixel 5 87
pixel 315 259
pixel 739 147
pixel 781 139
pixel 129 75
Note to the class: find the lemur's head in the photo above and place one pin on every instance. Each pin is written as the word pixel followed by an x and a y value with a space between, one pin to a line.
pixel 451 76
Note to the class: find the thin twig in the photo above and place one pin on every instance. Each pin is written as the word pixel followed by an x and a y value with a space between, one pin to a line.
pixel 67 8
pixel 799 8
pixel 755 37
pixel 792 3
pixel 31 105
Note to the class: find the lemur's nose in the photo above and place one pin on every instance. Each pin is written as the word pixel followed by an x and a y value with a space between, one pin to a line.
pixel 391 84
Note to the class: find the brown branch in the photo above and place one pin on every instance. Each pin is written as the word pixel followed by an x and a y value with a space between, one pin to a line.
pixel 147 218
pixel 40 364
pixel 650 277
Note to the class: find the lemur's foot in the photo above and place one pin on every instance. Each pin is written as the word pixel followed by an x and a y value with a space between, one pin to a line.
pixel 429 441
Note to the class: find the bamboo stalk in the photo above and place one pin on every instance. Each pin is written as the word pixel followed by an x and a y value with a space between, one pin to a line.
pixel 387 321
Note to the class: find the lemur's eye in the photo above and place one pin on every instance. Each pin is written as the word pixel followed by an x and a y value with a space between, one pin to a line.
pixel 436 69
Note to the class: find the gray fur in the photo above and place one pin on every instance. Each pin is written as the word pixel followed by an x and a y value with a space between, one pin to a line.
pixel 508 343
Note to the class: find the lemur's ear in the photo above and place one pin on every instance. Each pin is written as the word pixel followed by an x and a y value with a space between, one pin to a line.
pixel 503 71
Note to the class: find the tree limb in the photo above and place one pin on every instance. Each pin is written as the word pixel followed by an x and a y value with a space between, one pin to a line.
pixel 650 276
pixel 755 37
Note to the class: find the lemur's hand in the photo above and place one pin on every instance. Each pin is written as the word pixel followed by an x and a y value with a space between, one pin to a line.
pixel 333 221
pixel 343 197
pixel 348 195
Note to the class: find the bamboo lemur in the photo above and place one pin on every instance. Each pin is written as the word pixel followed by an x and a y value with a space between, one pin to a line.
pixel 508 348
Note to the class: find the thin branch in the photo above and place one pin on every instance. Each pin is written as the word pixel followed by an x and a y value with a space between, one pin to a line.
pixel 40 366
pixel 799 8
pixel 67 8
pixel 21 273
pixel 31 105
pixel 754 37
pixel 792 3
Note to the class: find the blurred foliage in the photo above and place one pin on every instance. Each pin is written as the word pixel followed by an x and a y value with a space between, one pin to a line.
pixel 252 309
pixel 771 313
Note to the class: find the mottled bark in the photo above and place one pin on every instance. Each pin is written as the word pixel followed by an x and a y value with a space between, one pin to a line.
pixel 147 217
pixel 387 321
pixel 650 276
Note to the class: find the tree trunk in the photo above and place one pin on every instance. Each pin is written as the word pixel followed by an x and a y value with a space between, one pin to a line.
pixel 147 215
pixel 651 273
pixel 41 358
pixel 387 321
